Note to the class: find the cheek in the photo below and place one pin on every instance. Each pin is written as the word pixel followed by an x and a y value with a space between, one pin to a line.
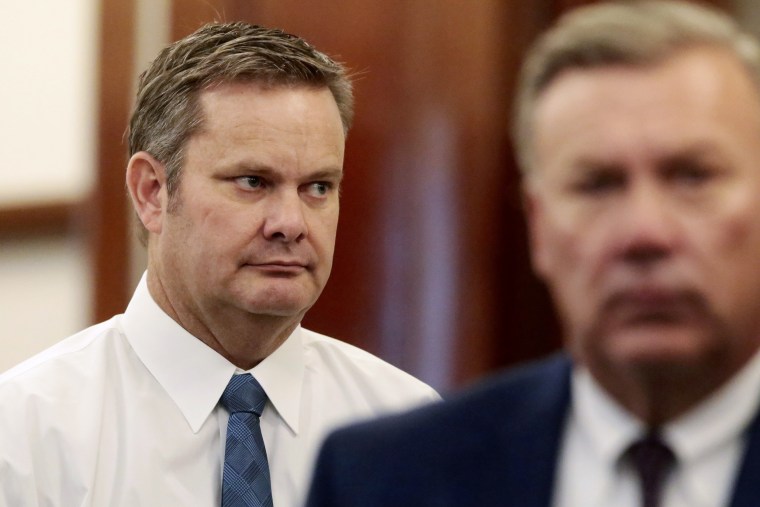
pixel 574 256
pixel 733 248
pixel 736 237
pixel 323 231
pixel 727 233
pixel 215 232
pixel 569 270
pixel 727 271
pixel 568 249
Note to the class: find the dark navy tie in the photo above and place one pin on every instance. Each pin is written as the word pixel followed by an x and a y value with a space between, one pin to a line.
pixel 653 460
pixel 245 481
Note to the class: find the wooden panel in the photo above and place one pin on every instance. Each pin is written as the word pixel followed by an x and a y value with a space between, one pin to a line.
pixel 188 15
pixel 55 218
pixel 563 5
pixel 108 219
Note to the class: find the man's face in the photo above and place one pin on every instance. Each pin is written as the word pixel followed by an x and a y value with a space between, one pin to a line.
pixel 252 225
pixel 644 210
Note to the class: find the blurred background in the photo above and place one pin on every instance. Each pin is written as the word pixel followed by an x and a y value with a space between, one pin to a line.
pixel 431 268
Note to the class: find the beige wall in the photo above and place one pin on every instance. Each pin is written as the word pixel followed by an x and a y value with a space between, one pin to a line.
pixel 44 297
pixel 47 98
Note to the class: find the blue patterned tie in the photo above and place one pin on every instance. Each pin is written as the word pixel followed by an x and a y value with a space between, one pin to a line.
pixel 245 481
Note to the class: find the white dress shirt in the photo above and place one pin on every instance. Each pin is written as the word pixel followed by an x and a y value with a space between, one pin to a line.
pixel 707 441
pixel 126 413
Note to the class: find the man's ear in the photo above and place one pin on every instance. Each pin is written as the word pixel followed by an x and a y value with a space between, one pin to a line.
pixel 536 223
pixel 146 182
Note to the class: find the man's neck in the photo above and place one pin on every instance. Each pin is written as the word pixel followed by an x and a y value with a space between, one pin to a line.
pixel 658 394
pixel 243 338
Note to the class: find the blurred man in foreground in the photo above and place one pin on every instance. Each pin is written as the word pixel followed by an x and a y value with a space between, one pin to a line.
pixel 638 128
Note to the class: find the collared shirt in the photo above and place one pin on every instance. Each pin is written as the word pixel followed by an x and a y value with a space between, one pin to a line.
pixel 126 413
pixel 707 441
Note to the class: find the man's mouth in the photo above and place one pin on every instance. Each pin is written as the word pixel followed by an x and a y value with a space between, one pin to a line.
pixel 654 306
pixel 285 267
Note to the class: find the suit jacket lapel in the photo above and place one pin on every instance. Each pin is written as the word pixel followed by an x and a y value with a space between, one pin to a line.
pixel 747 487
pixel 534 436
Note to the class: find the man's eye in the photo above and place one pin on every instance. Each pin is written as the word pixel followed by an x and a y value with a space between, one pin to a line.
pixel 599 183
pixel 690 175
pixel 320 188
pixel 250 181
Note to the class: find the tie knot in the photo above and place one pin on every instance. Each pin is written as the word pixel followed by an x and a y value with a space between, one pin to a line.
pixel 652 459
pixel 244 394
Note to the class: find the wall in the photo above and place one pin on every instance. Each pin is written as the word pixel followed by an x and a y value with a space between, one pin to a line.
pixel 48 137
pixel 46 155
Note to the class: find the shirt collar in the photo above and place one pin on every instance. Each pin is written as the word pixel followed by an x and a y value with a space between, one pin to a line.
pixel 605 424
pixel 718 420
pixel 722 416
pixel 281 376
pixel 194 375
pixel 604 430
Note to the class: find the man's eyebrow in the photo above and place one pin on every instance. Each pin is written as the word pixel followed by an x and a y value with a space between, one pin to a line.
pixel 327 174
pixel 245 167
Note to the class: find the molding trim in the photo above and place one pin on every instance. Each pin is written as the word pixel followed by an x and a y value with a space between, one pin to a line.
pixel 27 220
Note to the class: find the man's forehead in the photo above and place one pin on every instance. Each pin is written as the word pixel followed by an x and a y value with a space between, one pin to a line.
pixel 245 99
pixel 701 87
pixel 233 87
pixel 709 54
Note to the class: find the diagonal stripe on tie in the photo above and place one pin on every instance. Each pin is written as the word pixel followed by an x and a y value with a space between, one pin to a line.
pixel 245 481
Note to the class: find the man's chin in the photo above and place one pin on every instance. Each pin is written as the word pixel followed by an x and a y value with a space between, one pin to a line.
pixel 276 308
pixel 277 298
pixel 655 347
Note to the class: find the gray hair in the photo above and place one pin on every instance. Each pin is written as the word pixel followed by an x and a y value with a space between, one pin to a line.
pixel 621 33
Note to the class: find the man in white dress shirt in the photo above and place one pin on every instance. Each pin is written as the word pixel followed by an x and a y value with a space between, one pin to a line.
pixel 638 130
pixel 236 145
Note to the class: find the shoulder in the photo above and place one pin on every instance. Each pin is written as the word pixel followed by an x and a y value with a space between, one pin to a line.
pixel 525 387
pixel 330 348
pixel 346 363
pixel 58 381
pixel 503 401
pixel 60 355
pixel 52 406
pixel 481 434
pixel 484 416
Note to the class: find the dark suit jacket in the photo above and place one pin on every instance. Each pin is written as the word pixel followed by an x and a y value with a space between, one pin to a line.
pixel 495 445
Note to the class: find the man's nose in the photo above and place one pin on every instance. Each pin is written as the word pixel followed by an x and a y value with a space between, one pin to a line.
pixel 285 219
pixel 648 230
